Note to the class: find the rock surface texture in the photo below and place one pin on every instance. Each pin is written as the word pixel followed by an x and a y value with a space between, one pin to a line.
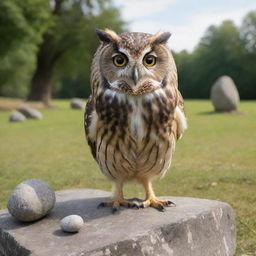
pixel 76 104
pixel 195 227
pixel 31 200
pixel 30 112
pixel 17 117
pixel 224 95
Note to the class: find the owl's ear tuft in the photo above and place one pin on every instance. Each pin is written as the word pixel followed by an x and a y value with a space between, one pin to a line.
pixel 107 35
pixel 160 38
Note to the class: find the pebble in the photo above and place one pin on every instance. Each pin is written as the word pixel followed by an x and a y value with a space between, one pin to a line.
pixel 71 223
pixel 214 184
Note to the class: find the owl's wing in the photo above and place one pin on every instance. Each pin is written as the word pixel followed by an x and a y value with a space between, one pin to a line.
pixel 88 122
pixel 180 101
pixel 180 121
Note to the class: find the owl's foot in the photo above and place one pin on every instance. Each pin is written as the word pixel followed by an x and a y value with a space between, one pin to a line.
pixel 116 204
pixel 157 204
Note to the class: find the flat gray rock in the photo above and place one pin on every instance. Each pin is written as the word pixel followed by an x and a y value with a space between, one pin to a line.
pixel 195 227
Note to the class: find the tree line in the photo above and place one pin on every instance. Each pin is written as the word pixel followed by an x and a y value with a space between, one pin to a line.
pixel 46 48
pixel 226 49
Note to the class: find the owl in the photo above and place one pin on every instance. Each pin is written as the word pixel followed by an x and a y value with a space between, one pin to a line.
pixel 135 112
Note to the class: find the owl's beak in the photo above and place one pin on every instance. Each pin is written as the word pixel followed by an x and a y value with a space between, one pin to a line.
pixel 135 75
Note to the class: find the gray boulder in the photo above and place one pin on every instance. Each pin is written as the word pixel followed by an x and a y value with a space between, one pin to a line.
pixel 17 117
pixel 30 112
pixel 224 95
pixel 76 104
pixel 31 200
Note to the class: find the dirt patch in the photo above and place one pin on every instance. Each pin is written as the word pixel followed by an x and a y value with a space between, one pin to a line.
pixel 8 104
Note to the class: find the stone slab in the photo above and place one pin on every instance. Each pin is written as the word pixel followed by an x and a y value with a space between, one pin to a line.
pixel 195 227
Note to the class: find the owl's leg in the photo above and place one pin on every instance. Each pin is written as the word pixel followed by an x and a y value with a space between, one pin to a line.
pixel 118 199
pixel 151 200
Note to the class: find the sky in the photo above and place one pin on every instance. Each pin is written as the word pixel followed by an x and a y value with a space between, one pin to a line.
pixel 187 20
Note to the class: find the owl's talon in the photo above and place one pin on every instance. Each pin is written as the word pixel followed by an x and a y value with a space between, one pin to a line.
pixel 157 204
pixel 102 204
pixel 115 204
pixel 115 210
pixel 160 208
pixel 136 206
pixel 170 203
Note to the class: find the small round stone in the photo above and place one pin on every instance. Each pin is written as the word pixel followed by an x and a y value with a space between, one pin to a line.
pixel 31 200
pixel 71 223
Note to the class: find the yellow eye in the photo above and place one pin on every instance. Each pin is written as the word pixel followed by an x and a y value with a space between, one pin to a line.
pixel 120 60
pixel 149 60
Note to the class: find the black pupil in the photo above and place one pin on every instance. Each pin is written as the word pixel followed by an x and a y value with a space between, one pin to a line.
pixel 149 60
pixel 120 60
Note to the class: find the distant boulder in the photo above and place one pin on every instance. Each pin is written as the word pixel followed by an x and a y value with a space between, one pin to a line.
pixel 76 103
pixel 17 117
pixel 30 112
pixel 224 95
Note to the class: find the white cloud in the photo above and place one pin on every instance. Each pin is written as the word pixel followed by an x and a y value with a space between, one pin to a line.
pixel 132 9
pixel 184 36
pixel 187 36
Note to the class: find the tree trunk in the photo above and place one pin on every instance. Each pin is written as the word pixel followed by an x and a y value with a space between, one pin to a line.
pixel 41 83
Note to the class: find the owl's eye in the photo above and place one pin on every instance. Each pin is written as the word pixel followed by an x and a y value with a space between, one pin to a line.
pixel 120 60
pixel 149 60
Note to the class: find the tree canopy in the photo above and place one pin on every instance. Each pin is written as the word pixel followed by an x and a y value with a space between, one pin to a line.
pixel 223 50
pixel 51 43
pixel 46 48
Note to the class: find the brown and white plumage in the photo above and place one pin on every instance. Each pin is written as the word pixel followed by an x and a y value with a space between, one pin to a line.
pixel 135 113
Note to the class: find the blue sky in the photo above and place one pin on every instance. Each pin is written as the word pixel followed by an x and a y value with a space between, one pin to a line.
pixel 187 20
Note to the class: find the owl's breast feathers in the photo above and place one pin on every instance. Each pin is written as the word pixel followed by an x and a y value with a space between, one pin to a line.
pixel 134 135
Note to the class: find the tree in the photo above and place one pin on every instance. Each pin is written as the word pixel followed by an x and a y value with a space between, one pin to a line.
pixel 218 53
pixel 22 24
pixel 21 20
pixel 67 36
pixel 184 62
pixel 72 72
pixel 223 50
pixel 248 32
pixel 248 60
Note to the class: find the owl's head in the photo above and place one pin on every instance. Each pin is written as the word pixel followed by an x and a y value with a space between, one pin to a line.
pixel 135 63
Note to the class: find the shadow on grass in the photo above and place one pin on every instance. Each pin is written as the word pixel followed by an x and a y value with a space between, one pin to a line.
pixel 209 113
pixel 235 112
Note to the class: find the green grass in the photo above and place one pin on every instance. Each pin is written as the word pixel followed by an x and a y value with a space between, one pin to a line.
pixel 216 148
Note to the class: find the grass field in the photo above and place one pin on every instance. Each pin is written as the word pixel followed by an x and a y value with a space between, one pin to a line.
pixel 216 159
